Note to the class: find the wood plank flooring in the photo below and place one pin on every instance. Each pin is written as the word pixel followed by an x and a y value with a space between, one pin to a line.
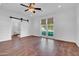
pixel 36 46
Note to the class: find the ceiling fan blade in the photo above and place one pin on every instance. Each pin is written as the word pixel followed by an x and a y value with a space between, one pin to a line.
pixel 23 5
pixel 37 8
pixel 26 10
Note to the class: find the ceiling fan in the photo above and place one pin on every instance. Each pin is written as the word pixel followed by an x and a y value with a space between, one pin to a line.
pixel 31 7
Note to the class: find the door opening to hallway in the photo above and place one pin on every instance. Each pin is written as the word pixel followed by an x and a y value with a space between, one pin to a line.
pixel 16 27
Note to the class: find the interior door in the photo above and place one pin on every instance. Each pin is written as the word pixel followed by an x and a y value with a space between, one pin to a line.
pixel 43 28
pixel 47 27
pixel 50 24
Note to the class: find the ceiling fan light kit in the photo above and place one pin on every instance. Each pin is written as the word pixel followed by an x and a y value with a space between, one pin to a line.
pixel 31 7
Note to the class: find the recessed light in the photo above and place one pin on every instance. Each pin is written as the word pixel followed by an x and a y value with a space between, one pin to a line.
pixel 59 6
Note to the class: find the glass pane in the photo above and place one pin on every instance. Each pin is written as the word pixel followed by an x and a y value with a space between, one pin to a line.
pixel 43 30
pixel 43 27
pixel 50 26
pixel 50 21
pixel 50 33
pixel 43 22
pixel 44 33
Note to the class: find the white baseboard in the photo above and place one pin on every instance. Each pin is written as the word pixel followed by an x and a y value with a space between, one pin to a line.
pixel 5 40
pixel 77 44
pixel 57 39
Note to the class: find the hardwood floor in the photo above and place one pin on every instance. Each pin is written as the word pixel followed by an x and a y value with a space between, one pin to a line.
pixel 36 46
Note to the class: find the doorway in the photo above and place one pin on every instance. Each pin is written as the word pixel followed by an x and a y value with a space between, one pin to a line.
pixel 16 27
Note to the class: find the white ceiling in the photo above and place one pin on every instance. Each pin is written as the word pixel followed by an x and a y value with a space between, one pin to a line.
pixel 46 8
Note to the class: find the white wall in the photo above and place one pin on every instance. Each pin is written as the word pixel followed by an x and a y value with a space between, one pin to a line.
pixel 77 24
pixel 5 28
pixel 36 26
pixel 64 24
